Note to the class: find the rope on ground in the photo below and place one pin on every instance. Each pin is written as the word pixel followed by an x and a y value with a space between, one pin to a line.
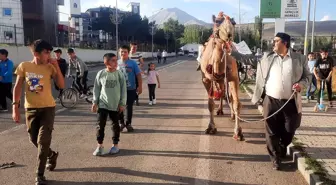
pixel 7 165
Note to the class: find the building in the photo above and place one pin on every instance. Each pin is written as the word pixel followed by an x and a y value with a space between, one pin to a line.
pixel 11 22
pixel 40 20
pixel 82 22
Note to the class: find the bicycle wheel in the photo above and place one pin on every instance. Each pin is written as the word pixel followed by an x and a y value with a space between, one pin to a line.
pixel 69 98
pixel 89 94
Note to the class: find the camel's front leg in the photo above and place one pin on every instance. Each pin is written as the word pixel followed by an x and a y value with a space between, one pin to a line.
pixel 222 95
pixel 211 127
pixel 236 106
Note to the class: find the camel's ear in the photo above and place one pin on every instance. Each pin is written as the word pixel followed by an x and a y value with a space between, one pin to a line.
pixel 213 18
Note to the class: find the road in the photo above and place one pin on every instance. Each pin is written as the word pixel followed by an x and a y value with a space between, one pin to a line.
pixel 168 146
pixel 6 120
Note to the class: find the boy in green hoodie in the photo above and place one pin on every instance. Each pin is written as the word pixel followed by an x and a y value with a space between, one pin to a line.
pixel 109 99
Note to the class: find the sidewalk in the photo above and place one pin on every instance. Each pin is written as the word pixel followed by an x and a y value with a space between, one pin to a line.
pixel 317 136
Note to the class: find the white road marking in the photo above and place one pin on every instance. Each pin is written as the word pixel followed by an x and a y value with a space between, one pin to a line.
pixel 178 62
pixel 203 165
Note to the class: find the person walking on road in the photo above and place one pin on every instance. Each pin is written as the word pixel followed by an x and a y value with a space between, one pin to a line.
pixel 152 80
pixel 81 71
pixel 109 100
pixel 159 56
pixel 164 56
pixel 280 74
pixel 136 56
pixel 323 71
pixel 62 65
pixel 312 84
pixel 6 79
pixel 40 105
pixel 131 72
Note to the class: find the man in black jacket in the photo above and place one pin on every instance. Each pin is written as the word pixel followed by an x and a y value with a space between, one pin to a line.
pixel 62 65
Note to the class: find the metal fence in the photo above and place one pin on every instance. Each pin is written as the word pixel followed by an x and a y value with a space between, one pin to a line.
pixel 11 35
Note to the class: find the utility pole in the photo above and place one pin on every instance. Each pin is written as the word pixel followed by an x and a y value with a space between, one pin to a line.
pixel 306 33
pixel 115 20
pixel 167 37
pixel 313 29
pixel 239 32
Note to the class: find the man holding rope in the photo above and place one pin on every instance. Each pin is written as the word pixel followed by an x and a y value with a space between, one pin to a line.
pixel 280 75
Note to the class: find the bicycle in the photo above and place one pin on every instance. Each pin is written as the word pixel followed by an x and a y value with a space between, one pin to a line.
pixel 70 96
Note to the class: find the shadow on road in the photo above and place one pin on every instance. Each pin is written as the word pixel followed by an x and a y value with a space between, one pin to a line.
pixel 123 171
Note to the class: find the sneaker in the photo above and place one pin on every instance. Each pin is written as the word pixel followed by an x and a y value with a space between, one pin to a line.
pixel 3 110
pixel 52 161
pixel 114 150
pixel 276 165
pixel 40 180
pixel 154 102
pixel 137 103
pixel 330 104
pixel 150 103
pixel 82 96
pixel 129 128
pixel 99 151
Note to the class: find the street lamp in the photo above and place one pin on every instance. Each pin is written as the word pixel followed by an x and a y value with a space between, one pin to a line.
pixel 167 37
pixel 115 20
pixel 152 31
pixel 306 33
pixel 313 29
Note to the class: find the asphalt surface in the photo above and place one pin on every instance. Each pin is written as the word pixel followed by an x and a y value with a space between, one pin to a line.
pixel 168 146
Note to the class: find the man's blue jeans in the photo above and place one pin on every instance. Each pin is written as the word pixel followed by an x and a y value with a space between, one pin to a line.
pixel 308 93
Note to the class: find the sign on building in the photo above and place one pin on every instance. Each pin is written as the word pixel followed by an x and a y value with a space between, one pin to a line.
pixel 291 9
pixel 287 9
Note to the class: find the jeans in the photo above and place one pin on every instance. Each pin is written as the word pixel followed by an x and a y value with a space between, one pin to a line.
pixel 40 124
pixel 5 92
pixel 101 123
pixel 329 90
pixel 131 95
pixel 313 82
pixel 81 82
pixel 151 90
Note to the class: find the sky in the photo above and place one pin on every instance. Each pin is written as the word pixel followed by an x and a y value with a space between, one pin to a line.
pixel 203 9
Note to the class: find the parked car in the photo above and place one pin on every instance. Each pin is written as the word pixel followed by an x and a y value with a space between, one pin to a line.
pixel 180 53
pixel 191 54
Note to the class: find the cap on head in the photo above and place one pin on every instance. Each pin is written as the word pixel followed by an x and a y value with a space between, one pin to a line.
pixel 284 36
pixel 71 50
pixel 58 51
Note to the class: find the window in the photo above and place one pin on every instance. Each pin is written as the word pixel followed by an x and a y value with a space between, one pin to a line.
pixel 75 5
pixel 77 20
pixel 77 28
pixel 8 35
pixel 7 12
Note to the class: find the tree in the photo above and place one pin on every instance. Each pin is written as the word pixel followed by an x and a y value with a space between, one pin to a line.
pixel 175 29
pixel 258 27
pixel 195 34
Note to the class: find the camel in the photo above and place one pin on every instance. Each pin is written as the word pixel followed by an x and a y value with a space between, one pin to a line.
pixel 220 73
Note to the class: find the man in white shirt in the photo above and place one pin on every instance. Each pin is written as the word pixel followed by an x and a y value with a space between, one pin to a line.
pixel 279 74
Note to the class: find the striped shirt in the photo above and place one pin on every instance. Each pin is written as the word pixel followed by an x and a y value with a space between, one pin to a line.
pixel 136 57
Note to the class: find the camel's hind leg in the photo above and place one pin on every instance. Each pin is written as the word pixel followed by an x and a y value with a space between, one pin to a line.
pixel 236 107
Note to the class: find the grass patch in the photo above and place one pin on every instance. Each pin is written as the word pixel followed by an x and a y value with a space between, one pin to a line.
pixel 312 164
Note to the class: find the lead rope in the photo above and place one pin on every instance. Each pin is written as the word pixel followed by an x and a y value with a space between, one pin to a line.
pixel 252 121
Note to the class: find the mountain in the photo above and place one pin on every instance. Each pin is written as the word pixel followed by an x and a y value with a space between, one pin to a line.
pixel 176 14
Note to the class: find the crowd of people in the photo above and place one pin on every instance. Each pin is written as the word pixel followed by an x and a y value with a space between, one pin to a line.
pixel 116 88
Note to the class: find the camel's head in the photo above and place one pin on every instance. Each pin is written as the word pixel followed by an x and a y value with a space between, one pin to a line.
pixel 224 26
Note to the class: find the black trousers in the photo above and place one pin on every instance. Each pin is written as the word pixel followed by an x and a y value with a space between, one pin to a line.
pixel 101 123
pixel 81 82
pixel 280 128
pixel 5 92
pixel 131 95
pixel 151 90
pixel 137 85
pixel 329 90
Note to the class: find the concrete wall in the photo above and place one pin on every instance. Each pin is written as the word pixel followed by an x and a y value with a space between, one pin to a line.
pixel 22 53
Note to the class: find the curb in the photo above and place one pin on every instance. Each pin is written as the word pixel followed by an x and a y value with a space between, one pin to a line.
pixel 299 160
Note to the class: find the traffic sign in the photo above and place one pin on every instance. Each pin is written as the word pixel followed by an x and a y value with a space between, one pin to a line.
pixel 287 9
pixel 270 8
